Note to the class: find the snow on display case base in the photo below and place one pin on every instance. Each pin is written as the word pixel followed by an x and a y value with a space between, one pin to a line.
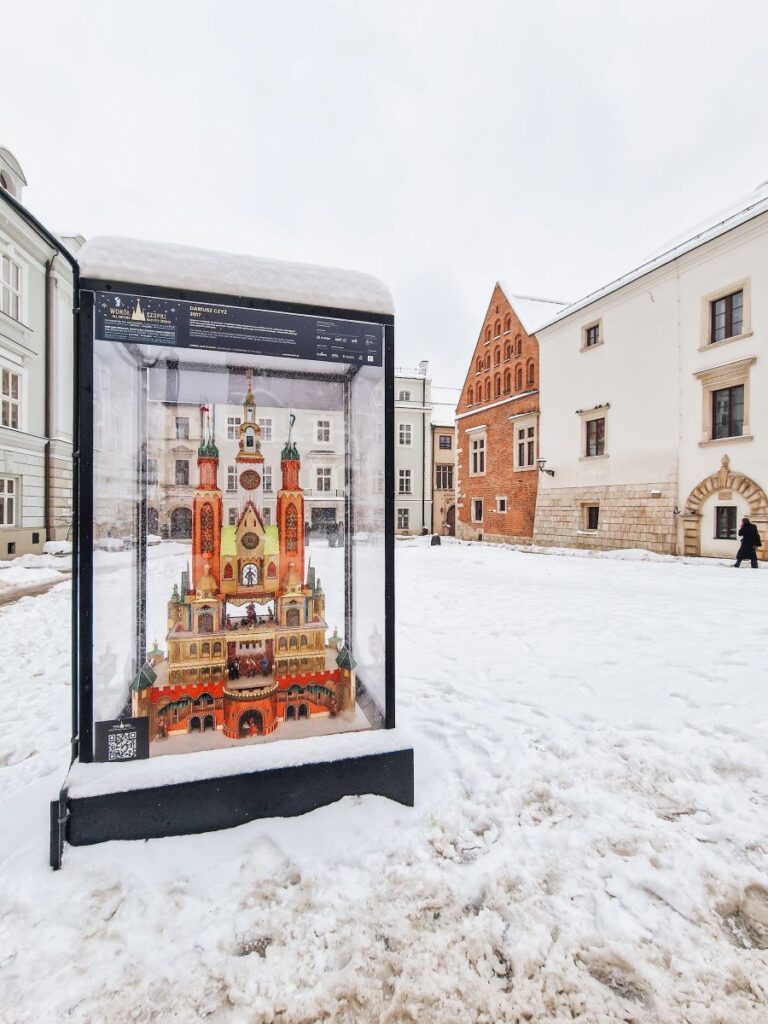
pixel 234 549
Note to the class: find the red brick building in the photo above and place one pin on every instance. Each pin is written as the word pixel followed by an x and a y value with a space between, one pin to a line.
pixel 497 422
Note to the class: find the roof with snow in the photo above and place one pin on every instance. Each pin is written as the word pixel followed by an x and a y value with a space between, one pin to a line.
pixel 167 265
pixel 531 312
pixel 743 210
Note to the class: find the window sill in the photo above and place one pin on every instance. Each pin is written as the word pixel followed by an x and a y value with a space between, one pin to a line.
pixel 709 345
pixel 586 533
pixel 525 469
pixel 590 348
pixel 592 458
pixel 725 440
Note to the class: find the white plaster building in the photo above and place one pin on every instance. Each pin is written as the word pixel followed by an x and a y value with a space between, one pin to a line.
pixel 36 331
pixel 654 398
pixel 413 450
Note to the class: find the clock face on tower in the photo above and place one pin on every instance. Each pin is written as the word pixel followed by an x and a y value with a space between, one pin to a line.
pixel 250 541
pixel 249 479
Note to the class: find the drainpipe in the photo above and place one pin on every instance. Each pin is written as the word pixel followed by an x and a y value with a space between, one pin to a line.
pixel 47 378
pixel 423 453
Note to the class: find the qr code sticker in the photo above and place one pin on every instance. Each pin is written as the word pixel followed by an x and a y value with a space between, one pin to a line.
pixel 122 746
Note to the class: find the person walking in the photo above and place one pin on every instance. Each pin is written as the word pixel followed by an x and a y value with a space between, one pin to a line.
pixel 750 541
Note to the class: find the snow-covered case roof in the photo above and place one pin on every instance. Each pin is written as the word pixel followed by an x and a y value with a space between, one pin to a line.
pixel 737 213
pixel 532 313
pixel 166 265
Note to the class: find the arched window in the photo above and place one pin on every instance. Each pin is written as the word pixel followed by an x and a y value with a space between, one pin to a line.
pixel 282 644
pixel 206 650
pixel 479 364
pixel 304 641
pixel 497 328
pixel 206 529
pixel 519 344
pixel 507 322
pixel 293 617
pixel 508 351
pixel 507 382
pixel 229 572
pixel 291 529
pixel 488 390
pixel 488 334
pixel 293 642
pixel 496 386
pixel 249 576
pixel 519 378
pixel 496 356
pixel 205 622
pixel 272 570
pixel 193 650
pixel 531 373
pixel 488 361
pixel 470 395
pixel 217 647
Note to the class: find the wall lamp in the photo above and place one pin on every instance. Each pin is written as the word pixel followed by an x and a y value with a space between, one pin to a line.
pixel 541 463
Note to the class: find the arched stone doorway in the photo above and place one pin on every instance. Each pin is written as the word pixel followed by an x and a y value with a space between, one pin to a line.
pixel 209 722
pixel 450 521
pixel 726 488
pixel 181 524
pixel 251 724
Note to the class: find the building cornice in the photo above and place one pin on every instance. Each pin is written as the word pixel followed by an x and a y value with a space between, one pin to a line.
pixel 494 405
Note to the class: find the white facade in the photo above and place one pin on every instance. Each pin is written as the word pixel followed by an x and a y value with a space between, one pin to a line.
pixel 655 470
pixel 413 450
pixel 36 330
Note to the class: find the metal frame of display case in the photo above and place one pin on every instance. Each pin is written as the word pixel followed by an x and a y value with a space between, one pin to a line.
pixel 220 802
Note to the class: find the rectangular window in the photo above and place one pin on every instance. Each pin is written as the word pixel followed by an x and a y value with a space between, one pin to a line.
pixel 591 516
pixel 151 471
pixel 182 428
pixel 444 478
pixel 725 522
pixel 404 436
pixel 233 425
pixel 501 504
pixel 404 396
pixel 403 518
pixel 11 399
pixel 728 412
pixel 595 437
pixel 266 515
pixel 232 516
pixel 266 429
pixel 8 502
pixel 592 336
pixel 525 450
pixel 266 476
pixel 323 479
pixel 231 478
pixel 445 441
pixel 182 472
pixel 477 510
pixel 478 456
pixel 727 316
pixel 404 482
pixel 324 431
pixel 10 287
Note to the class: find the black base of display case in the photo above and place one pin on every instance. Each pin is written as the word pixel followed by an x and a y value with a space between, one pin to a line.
pixel 210 804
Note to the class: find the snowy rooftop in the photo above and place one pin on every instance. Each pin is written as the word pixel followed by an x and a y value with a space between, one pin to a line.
pixel 744 209
pixel 167 265
pixel 531 312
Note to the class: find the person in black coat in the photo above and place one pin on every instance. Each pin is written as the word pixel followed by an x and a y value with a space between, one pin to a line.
pixel 750 541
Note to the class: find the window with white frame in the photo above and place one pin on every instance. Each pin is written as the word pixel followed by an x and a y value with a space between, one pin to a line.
pixel 404 481
pixel 725 400
pixel 525 444
pixel 266 428
pixel 231 478
pixel 233 425
pixel 594 436
pixel 323 478
pixel 404 434
pixel 182 428
pixel 10 287
pixel 266 479
pixel 8 502
pixel 477 510
pixel 232 514
pixel 403 518
pixel 444 478
pixel 182 472
pixel 501 504
pixel 404 396
pixel 11 399
pixel 477 455
pixel 323 435
pixel 445 441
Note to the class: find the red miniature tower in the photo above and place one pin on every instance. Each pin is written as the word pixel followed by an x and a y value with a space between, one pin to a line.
pixel 290 515
pixel 207 509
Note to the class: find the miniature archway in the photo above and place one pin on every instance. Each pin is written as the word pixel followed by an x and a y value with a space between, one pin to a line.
pixel 724 480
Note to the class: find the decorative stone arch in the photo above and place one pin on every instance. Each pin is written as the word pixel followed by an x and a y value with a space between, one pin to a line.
pixel 724 480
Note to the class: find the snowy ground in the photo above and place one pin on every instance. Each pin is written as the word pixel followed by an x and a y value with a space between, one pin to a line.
pixel 589 841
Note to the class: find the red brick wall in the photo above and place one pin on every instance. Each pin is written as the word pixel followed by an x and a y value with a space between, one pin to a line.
pixel 500 479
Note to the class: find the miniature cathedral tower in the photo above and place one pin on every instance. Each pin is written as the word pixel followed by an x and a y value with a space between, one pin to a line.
pixel 207 507
pixel 290 514
pixel 249 460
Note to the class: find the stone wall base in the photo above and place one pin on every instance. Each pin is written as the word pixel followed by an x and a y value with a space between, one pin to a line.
pixel 629 517
pixel 475 531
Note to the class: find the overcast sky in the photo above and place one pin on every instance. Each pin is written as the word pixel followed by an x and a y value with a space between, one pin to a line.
pixel 438 145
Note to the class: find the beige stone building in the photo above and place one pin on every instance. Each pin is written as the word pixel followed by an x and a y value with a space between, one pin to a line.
pixel 444 479
pixel 654 419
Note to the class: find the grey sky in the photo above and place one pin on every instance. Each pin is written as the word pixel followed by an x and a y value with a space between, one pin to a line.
pixel 439 145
